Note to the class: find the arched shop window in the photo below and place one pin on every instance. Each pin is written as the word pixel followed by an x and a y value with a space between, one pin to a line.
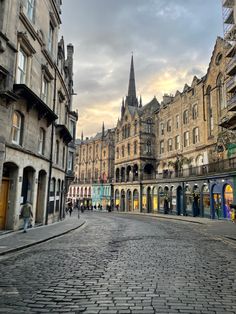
pixel 188 200
pixel 206 201
pixel 228 200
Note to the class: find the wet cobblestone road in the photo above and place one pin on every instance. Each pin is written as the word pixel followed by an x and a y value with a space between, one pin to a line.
pixel 119 264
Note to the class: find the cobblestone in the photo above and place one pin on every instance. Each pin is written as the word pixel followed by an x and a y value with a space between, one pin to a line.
pixel 122 265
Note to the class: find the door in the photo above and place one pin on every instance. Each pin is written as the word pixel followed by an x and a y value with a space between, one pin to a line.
pixel 3 202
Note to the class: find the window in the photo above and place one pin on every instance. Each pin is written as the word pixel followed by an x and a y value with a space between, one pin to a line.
pixel 196 137
pixel 16 128
pixel 169 126
pixel 161 147
pixel 186 139
pixel 123 133
pixel 177 121
pixel 162 128
pixel 185 117
pixel 45 90
pixel 194 112
pixel 117 153
pixel 50 38
pixel 135 147
pixel 220 92
pixel 30 9
pixel 148 147
pixel 41 141
pixel 70 162
pixel 123 151
pixel 177 142
pixel 63 156
pixel 117 135
pixel 210 113
pixel 57 152
pixel 170 147
pixel 21 67
pixel 72 128
pixel 149 125
pixel 128 149
pixel 104 153
pixel 135 127
pixel 128 130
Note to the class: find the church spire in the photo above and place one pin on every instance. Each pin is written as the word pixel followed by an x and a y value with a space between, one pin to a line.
pixel 131 99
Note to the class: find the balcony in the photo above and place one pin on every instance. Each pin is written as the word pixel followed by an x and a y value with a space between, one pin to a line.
pixel 231 66
pixel 230 32
pixel 33 101
pixel 229 16
pixel 228 3
pixel 230 52
pixel 231 103
pixel 220 166
pixel 231 84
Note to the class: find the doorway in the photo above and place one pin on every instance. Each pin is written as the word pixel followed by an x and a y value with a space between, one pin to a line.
pixel 3 202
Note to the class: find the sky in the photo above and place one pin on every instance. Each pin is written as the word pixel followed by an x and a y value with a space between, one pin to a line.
pixel 171 41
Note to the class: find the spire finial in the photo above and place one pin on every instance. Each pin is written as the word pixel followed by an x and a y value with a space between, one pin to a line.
pixel 131 99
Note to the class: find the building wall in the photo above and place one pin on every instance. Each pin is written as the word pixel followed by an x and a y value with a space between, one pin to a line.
pixel 34 165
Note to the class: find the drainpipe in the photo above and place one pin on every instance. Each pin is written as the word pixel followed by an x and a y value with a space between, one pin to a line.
pixel 51 150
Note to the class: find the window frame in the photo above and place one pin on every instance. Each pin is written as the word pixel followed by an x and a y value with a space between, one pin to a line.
pixel 17 129
pixel 41 145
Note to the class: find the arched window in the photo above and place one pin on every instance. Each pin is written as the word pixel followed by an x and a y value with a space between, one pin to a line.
pixel 117 152
pixel 185 117
pixel 196 137
pixel 135 127
pixel 194 112
pixel 117 135
pixel 148 147
pixel 17 127
pixel 220 92
pixel 209 110
pixel 169 125
pixel 149 125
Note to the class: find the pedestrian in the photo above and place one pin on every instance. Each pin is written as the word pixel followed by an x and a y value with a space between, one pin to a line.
pixel 70 210
pixel 26 213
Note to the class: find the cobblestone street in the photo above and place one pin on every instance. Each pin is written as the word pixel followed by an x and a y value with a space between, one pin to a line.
pixel 122 264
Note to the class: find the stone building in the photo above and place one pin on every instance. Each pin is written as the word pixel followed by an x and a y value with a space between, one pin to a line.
pixel 36 118
pixel 94 170
pixel 181 166
pixel 135 149
pixel 172 157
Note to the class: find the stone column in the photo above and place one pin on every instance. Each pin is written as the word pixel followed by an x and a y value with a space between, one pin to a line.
pixel 2 156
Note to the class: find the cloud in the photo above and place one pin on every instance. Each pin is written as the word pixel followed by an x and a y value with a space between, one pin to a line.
pixel 172 41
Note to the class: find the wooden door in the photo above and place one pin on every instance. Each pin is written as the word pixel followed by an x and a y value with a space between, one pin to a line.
pixel 3 202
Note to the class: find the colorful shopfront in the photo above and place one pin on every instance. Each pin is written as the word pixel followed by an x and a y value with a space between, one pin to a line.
pixel 221 199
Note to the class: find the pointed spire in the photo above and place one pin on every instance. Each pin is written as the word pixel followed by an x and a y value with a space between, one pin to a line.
pixel 131 99
pixel 122 107
pixel 140 102
pixel 82 136
pixel 103 129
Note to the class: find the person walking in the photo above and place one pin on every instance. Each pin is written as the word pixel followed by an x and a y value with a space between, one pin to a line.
pixel 26 213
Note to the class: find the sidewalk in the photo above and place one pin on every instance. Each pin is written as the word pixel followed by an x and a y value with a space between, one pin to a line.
pixel 15 241
pixel 223 229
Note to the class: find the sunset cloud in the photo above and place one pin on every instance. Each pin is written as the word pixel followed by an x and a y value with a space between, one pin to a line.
pixel 171 40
